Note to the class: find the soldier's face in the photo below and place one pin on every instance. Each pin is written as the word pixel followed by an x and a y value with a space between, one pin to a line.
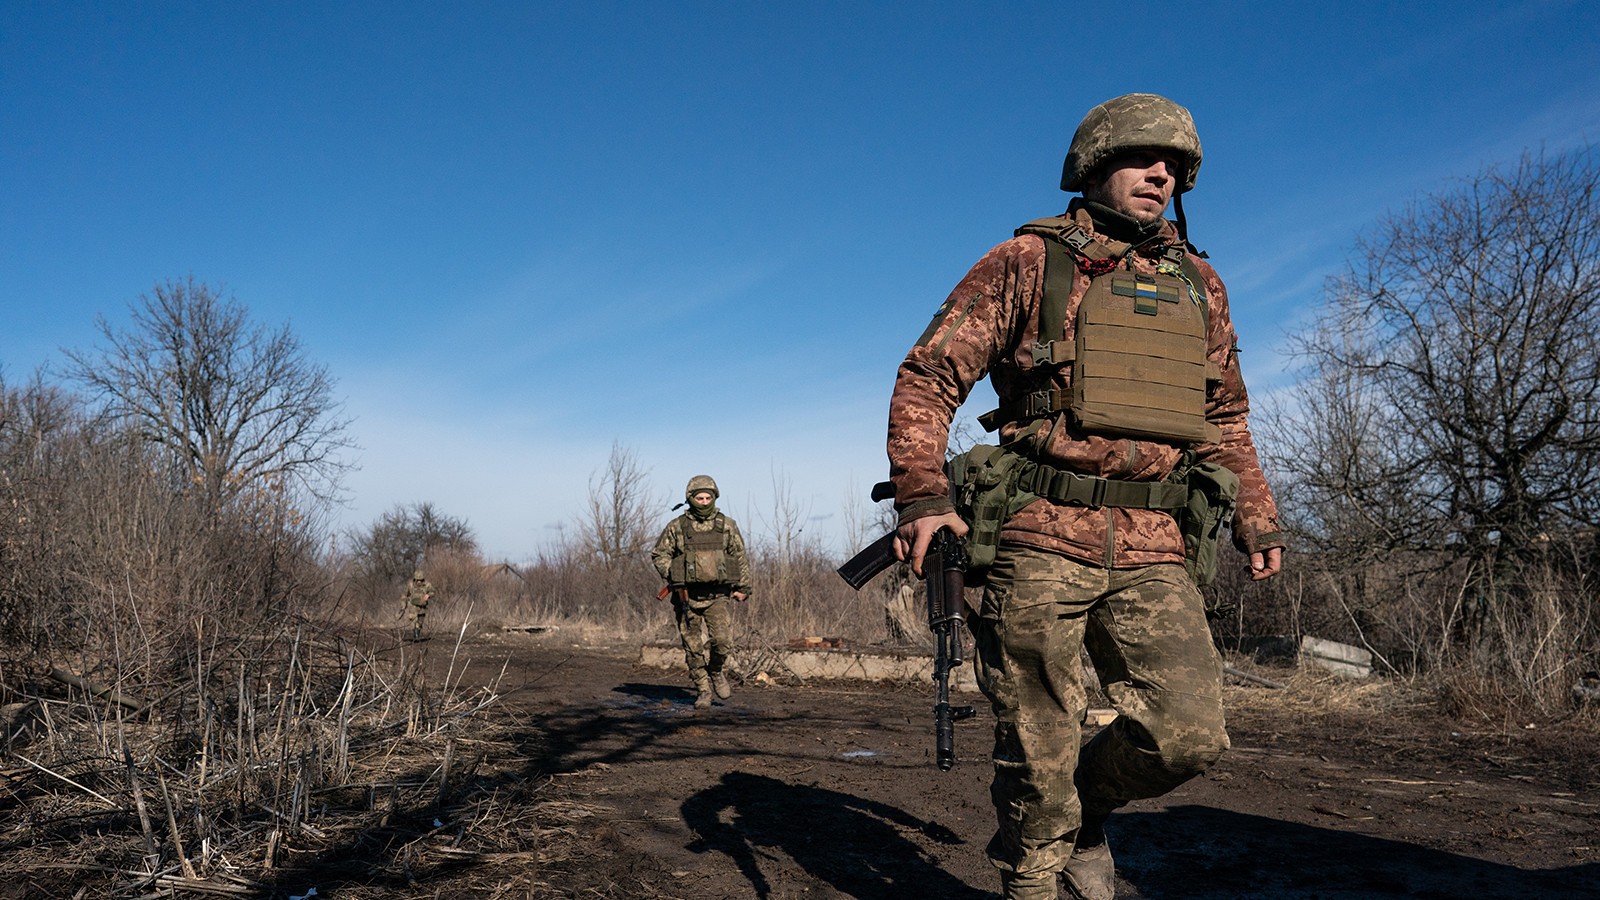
pixel 701 498
pixel 1138 184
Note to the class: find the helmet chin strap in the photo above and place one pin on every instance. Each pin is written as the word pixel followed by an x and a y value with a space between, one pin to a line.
pixel 1183 226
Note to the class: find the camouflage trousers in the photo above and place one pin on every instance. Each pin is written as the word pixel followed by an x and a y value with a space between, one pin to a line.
pixel 1146 632
pixel 706 628
pixel 415 613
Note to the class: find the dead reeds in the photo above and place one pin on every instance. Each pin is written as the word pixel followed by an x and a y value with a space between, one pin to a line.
pixel 301 760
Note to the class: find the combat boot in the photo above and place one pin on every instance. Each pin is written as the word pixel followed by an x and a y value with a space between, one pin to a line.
pixel 1091 873
pixel 719 683
pixel 702 685
pixel 1038 886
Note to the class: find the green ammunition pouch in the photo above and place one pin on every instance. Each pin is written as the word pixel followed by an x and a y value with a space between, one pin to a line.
pixel 984 490
pixel 989 485
pixel 704 559
pixel 1212 491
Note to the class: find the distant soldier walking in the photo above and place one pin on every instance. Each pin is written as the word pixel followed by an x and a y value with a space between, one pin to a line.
pixel 701 556
pixel 415 599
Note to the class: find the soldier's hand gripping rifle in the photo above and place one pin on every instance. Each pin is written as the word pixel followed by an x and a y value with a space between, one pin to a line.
pixel 946 567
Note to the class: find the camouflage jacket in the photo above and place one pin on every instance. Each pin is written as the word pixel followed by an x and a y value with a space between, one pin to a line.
pixel 734 565
pixel 987 327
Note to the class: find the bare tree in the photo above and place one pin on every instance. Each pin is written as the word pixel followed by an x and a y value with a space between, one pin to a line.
pixel 406 536
pixel 620 520
pixel 1452 402
pixel 238 405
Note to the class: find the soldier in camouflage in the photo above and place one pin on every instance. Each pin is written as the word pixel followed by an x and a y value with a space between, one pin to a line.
pixel 1077 572
pixel 701 556
pixel 415 600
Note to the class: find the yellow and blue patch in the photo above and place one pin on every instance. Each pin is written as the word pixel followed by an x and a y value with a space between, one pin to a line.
pixel 1145 291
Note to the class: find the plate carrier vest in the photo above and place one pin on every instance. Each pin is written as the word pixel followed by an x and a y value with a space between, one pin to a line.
pixel 1138 353
pixel 704 559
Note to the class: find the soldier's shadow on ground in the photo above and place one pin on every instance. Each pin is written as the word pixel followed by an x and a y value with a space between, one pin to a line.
pixel 655 692
pixel 855 845
pixel 1201 853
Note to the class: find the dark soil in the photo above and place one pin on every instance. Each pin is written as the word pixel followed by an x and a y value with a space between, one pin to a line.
pixel 828 789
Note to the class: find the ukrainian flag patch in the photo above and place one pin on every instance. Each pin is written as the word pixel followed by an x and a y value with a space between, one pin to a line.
pixel 1145 291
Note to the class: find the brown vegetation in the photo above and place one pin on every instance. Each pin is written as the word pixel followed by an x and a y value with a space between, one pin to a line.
pixel 201 688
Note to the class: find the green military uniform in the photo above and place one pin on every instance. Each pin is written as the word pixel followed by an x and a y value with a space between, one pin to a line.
pixel 417 594
pixel 701 555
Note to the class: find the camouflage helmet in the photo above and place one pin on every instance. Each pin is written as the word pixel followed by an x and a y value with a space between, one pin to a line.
pixel 1131 122
pixel 701 483
pixel 417 575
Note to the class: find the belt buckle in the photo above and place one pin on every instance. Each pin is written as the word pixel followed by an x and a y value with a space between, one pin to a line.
pixel 1097 494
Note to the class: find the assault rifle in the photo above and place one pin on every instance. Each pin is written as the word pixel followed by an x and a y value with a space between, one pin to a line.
pixel 945 567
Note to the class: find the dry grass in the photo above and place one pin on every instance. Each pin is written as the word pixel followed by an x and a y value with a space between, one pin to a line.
pixel 307 763
pixel 1310 692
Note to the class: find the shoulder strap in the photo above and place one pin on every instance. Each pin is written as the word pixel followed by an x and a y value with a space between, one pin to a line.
pixel 1063 239
pixel 1060 271
pixel 1068 247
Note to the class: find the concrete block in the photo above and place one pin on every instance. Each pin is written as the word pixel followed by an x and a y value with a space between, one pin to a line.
pixel 832 663
pixel 1340 659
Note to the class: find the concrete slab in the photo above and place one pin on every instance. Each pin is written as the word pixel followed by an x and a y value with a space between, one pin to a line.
pixel 828 663
pixel 1340 659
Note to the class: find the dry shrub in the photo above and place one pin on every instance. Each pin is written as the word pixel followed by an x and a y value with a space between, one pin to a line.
pixel 115 567
pixel 1487 647
pixel 571 584
pixel 176 719
pixel 799 594
pixel 1530 643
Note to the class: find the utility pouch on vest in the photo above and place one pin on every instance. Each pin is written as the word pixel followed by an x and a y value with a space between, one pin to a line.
pixel 1213 491
pixel 1139 369
pixel 983 488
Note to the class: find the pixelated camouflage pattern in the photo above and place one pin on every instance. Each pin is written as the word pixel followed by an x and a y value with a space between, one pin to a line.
pixel 701 483
pixel 672 544
pixel 1146 631
pixel 706 629
pixel 988 327
pixel 1131 122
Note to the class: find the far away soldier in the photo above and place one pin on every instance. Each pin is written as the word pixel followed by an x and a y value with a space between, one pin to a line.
pixel 417 594
pixel 702 558
pixel 1110 346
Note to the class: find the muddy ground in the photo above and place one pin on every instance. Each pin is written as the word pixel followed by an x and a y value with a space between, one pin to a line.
pixel 828 789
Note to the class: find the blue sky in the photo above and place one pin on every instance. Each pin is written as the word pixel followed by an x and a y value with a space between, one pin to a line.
pixel 520 233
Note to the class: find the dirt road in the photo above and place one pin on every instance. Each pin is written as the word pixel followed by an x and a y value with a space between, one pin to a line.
pixel 829 790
